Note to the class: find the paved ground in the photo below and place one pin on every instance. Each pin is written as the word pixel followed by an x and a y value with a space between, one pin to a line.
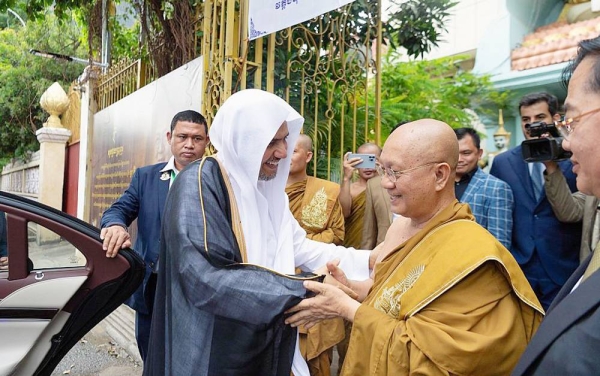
pixel 98 355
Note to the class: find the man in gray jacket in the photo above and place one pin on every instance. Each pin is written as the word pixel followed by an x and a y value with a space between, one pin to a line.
pixel 573 207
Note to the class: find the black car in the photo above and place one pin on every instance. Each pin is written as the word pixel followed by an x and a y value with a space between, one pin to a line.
pixel 55 285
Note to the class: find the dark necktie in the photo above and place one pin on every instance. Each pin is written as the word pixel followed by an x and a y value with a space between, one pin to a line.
pixel 537 180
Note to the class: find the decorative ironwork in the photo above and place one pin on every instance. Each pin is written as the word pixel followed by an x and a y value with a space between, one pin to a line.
pixel 121 79
pixel 326 68
pixel 327 77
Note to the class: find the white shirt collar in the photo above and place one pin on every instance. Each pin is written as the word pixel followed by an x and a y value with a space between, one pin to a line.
pixel 170 166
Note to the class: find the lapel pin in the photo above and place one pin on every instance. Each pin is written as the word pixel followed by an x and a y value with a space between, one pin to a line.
pixel 165 176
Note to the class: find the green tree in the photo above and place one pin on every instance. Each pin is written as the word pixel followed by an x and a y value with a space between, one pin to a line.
pixel 417 25
pixel 168 33
pixel 25 77
pixel 167 28
pixel 410 90
pixel 432 89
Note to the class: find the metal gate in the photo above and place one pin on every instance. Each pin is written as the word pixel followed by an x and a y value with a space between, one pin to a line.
pixel 326 68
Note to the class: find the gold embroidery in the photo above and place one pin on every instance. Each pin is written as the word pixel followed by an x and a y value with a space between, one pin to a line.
pixel 389 301
pixel 315 213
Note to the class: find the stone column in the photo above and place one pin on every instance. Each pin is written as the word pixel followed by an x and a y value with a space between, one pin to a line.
pixel 53 138
pixel 87 84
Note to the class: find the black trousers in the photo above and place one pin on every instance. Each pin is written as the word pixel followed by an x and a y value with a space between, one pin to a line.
pixel 144 321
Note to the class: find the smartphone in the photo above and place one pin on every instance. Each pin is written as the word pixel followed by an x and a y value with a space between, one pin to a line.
pixel 368 160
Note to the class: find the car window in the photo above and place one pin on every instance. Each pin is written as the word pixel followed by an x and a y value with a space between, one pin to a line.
pixel 47 250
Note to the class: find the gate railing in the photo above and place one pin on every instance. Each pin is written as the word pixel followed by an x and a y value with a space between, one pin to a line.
pixel 324 68
pixel 122 79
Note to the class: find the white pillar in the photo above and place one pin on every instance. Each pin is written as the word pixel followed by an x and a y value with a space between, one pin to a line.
pixel 53 139
pixel 88 109
pixel 52 165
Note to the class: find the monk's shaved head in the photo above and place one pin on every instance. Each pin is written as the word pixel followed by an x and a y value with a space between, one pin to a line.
pixel 305 142
pixel 420 161
pixel 425 141
pixel 301 156
pixel 369 148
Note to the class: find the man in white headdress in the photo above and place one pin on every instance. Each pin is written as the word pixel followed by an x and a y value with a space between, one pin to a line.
pixel 229 244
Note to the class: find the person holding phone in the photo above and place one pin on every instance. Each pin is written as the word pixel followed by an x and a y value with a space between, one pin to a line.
pixel 353 194
pixel 353 200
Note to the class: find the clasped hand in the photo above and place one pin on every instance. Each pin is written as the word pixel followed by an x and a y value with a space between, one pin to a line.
pixel 334 298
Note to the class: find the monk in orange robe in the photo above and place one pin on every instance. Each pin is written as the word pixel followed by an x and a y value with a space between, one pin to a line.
pixel 447 298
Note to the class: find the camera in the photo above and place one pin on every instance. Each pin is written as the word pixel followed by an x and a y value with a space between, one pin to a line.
pixel 545 148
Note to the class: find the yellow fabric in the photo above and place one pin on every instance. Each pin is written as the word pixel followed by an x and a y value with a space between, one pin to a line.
pixel 342 347
pixel 316 342
pixel 451 300
pixel 354 222
pixel 321 366
pixel 315 205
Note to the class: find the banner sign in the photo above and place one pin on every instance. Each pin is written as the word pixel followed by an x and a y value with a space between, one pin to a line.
pixel 132 133
pixel 269 16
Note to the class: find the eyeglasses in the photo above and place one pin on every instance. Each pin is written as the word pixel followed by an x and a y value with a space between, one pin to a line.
pixel 394 175
pixel 566 126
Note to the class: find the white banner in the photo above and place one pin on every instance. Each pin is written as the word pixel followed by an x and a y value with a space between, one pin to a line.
pixel 269 16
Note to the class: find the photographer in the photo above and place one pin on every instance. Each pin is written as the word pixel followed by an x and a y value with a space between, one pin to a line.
pixel 573 207
pixel 567 341
pixel 568 207
pixel 542 245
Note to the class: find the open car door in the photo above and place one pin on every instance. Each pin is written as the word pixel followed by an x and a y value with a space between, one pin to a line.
pixel 58 285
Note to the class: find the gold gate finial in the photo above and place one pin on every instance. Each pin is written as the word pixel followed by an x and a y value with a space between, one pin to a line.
pixel 55 102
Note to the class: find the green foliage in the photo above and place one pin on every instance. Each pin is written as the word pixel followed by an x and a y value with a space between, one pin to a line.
pixel 431 89
pixel 25 77
pixel 414 24
pixel 39 8
pixel 417 24
pixel 124 39
pixel 9 20
pixel 410 91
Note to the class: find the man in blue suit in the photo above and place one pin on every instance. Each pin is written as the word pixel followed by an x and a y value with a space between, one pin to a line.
pixel 542 245
pixel 568 339
pixel 491 199
pixel 145 200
